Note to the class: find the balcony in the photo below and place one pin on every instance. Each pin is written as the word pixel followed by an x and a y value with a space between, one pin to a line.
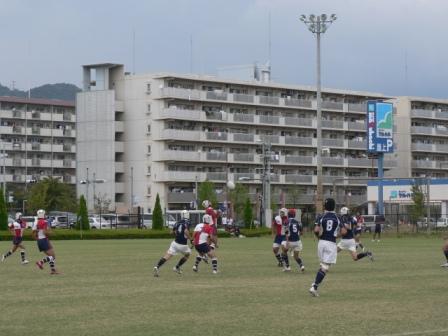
pixel 274 120
pixel 216 176
pixel 337 124
pixel 333 142
pixel 119 126
pixel 332 161
pixel 216 136
pixel 422 130
pixel 357 144
pixel 298 121
pixel 216 95
pixel 244 98
pixel 357 108
pixel 441 115
pixel 332 105
pixel 119 188
pixel 299 159
pixel 180 93
pixel 273 139
pixel 292 178
pixel 243 137
pixel 35 146
pixel 441 131
pixel 422 147
pixel 289 140
pixel 423 164
pixel 354 162
pixel 174 134
pixel 67 148
pixel 216 156
pixel 243 157
pixel 214 115
pixel 267 100
pixel 171 113
pixel 177 155
pixel 356 126
pixel 67 163
pixel 243 117
pixel 420 113
pixel 297 102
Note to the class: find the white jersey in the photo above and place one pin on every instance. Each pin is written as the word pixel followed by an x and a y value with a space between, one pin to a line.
pixel 201 233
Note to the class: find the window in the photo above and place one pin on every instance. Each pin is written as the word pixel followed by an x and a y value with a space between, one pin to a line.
pixel 149 150
pixel 148 111
pixel 148 88
pixel 148 128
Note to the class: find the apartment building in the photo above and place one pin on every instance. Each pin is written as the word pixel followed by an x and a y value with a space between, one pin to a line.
pixel 164 133
pixel 421 137
pixel 37 140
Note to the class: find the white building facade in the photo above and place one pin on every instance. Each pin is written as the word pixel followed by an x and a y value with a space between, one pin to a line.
pixel 164 133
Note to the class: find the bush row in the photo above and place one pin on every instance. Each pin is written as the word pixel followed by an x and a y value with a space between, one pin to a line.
pixel 64 234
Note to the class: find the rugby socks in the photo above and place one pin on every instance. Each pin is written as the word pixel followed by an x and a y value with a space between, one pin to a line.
pixel 181 262
pixel 51 262
pixel 198 260
pixel 7 254
pixel 22 255
pixel 361 255
pixel 215 264
pixel 45 259
pixel 285 259
pixel 299 262
pixel 161 262
pixel 279 258
pixel 319 278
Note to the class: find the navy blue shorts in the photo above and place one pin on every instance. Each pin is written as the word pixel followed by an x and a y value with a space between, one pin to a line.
pixel 202 248
pixel 377 228
pixel 279 238
pixel 17 240
pixel 44 245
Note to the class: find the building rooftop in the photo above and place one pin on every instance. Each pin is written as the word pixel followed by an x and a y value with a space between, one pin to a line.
pixel 37 101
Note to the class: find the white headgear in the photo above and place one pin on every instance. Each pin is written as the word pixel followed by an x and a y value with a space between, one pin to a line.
pixel 40 213
pixel 185 214
pixel 344 211
pixel 18 215
pixel 283 212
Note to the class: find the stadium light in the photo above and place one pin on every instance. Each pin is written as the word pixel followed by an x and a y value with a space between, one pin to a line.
pixel 318 25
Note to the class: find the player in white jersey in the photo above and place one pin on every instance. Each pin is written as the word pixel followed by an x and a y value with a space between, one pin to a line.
pixel 17 229
pixel 203 237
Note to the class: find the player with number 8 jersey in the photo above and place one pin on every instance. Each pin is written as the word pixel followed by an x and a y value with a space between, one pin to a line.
pixel 327 229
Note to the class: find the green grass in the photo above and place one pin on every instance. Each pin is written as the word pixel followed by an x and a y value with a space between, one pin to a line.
pixel 107 288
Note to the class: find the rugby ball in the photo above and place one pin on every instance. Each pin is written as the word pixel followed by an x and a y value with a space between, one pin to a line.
pixel 230 185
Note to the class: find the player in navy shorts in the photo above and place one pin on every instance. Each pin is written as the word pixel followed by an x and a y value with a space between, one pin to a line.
pixel 17 229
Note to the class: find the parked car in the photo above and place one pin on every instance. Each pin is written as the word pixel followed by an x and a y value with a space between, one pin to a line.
pixel 423 223
pixel 147 220
pixel 442 222
pixel 370 222
pixel 29 220
pixel 97 222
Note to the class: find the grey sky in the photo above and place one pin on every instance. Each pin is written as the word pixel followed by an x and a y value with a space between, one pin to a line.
pixel 368 48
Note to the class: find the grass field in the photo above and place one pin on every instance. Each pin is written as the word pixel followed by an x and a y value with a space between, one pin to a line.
pixel 107 288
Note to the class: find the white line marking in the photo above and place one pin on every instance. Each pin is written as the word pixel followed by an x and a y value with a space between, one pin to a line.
pixel 411 333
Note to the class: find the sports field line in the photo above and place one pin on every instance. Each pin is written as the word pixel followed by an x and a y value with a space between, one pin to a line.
pixel 416 333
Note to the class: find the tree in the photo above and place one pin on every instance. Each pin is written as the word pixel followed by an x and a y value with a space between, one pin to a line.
pixel 157 216
pixel 3 212
pixel 50 194
pixel 418 208
pixel 206 191
pixel 248 215
pixel 101 203
pixel 83 220
pixel 293 196
pixel 238 198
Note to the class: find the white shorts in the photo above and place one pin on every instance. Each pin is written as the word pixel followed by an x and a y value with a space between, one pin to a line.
pixel 327 252
pixel 176 248
pixel 283 243
pixel 347 244
pixel 296 246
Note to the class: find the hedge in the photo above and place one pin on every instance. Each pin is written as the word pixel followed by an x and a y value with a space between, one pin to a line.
pixel 66 234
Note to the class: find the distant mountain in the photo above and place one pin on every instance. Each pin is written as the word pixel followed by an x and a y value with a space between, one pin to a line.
pixel 61 91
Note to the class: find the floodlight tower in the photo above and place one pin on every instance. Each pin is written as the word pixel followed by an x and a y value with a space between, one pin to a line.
pixel 318 25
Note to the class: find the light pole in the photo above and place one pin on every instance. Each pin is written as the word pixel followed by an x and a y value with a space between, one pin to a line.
pixel 87 182
pixel 4 155
pixel 132 188
pixel 318 25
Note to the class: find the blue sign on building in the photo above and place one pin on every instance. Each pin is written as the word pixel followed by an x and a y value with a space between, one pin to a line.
pixel 379 127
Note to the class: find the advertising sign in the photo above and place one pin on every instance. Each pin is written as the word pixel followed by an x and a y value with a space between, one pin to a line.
pixel 379 127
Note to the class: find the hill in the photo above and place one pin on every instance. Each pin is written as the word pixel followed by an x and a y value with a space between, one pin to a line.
pixel 62 91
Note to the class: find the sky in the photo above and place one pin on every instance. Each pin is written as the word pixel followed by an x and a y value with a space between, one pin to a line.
pixel 394 47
